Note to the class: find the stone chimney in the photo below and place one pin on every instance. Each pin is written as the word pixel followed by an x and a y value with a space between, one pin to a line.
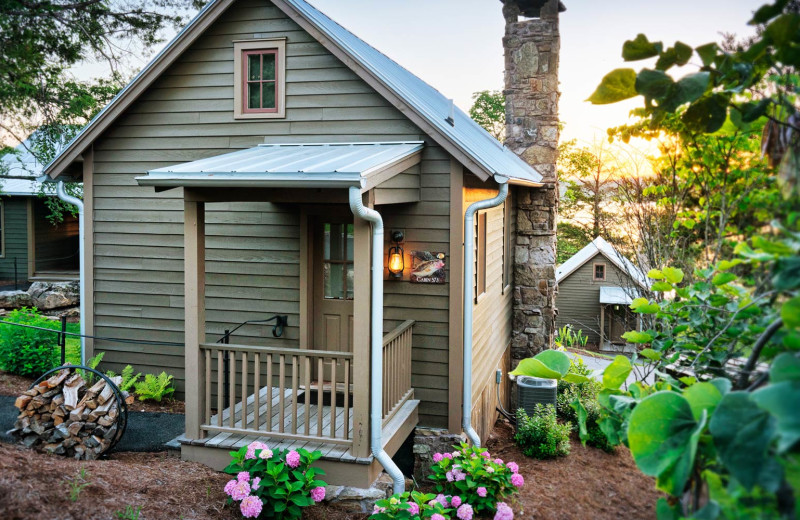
pixel 531 45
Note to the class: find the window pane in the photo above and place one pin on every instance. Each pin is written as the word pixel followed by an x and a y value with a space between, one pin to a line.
pixel 350 242
pixel 253 66
pixel 268 67
pixel 269 95
pixel 350 281
pixel 334 242
pixel 253 95
pixel 333 280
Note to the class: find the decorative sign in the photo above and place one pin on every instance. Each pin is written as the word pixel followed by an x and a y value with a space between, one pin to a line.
pixel 427 267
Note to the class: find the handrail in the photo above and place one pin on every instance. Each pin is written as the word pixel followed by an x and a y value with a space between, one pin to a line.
pixel 397 331
pixel 277 350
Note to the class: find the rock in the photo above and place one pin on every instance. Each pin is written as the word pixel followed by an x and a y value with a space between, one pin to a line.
pixel 46 295
pixel 15 299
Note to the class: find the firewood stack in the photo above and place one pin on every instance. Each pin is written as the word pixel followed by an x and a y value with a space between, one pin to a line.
pixel 66 416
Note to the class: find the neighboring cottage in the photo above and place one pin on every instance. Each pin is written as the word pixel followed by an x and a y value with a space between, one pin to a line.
pixel 595 289
pixel 31 247
pixel 269 163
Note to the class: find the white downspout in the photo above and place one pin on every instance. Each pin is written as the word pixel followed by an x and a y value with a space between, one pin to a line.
pixel 376 340
pixel 69 199
pixel 469 261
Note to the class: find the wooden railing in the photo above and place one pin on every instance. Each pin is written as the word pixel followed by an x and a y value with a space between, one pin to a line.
pixel 397 369
pixel 270 392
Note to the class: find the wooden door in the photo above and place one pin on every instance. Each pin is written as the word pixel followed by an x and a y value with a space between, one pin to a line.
pixel 332 267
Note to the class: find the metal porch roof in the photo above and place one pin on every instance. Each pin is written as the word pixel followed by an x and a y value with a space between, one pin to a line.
pixel 331 165
pixel 615 296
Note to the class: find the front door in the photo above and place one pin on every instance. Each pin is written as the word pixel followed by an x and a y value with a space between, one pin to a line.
pixel 333 284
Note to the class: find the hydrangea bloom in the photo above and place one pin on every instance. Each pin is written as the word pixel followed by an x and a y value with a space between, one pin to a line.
pixel 482 492
pixel 485 454
pixel 254 485
pixel 240 490
pixel 318 493
pixel 498 461
pixel 447 455
pixel 450 476
pixel 293 459
pixel 265 454
pixel 437 457
pixel 251 507
pixel 456 454
pixel 442 500
pixel 229 487
pixel 437 516
pixel 513 467
pixel 376 510
pixel 243 476
pixel 464 512
pixel 413 508
pixel 503 512
pixel 455 501
pixel 489 469
pixel 459 475
pixel 252 447
pixel 517 480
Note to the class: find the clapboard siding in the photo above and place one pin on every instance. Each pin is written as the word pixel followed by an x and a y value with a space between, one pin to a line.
pixel 578 299
pixel 15 238
pixel 253 249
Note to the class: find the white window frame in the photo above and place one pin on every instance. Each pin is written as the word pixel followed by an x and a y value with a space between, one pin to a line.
pixel 266 44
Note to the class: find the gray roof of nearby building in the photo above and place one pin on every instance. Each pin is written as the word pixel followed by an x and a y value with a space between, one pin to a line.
pixel 19 171
pixel 600 245
pixel 463 134
pixel 615 296
pixel 328 165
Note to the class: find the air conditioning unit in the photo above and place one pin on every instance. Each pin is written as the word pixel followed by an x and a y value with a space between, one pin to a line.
pixel 534 390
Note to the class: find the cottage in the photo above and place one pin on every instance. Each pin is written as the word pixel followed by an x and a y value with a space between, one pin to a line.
pixel 268 167
pixel 595 289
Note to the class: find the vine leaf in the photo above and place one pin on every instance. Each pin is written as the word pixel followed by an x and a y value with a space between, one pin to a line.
pixel 640 48
pixel 617 85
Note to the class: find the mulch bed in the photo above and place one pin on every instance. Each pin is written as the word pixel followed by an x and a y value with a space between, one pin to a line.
pixel 14 385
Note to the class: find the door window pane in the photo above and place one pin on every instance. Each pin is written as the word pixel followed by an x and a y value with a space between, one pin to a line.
pixel 333 280
pixel 337 256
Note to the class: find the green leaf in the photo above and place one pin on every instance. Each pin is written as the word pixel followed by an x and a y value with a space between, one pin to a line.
pixel 661 287
pixel 279 507
pixel 783 30
pixel 634 336
pixel 640 48
pixel 786 367
pixel 790 312
pixel 549 364
pixel 787 274
pixel 707 53
pixel 651 354
pixel 643 306
pixel 617 372
pixel 663 436
pixel 691 87
pixel 723 385
pixel 752 110
pixel 617 85
pixel 742 434
pixel 702 397
pixel 653 83
pixel 673 275
pixel 664 511
pixel 708 114
pixel 677 55
pixel 723 278
pixel 575 378
pixel 655 274
pixel 767 12
pixel 781 401
pixel 580 411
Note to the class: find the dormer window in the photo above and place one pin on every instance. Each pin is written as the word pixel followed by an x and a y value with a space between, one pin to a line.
pixel 259 79
pixel 599 272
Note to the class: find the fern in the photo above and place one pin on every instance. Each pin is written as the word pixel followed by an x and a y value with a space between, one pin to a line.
pixel 154 387
pixel 129 379
pixel 95 361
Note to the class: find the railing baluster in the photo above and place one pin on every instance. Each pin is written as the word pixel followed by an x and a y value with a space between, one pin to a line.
pixel 256 390
pixel 294 394
pixel 333 397
pixel 268 419
pixel 282 398
pixel 320 398
pixel 220 390
pixel 244 389
pixel 307 392
pixel 207 418
pixel 232 390
pixel 346 430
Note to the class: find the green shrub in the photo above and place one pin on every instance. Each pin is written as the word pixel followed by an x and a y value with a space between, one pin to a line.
pixel 540 435
pixel 28 352
pixel 154 387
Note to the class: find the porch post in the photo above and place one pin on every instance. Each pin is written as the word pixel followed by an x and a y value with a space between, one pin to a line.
pixel 602 324
pixel 361 340
pixel 194 247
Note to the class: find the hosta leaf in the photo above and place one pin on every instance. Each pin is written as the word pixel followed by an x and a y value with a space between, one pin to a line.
pixel 640 48
pixel 615 86
pixel 617 372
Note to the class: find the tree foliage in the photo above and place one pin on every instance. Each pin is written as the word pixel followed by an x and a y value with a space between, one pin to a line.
pixel 489 110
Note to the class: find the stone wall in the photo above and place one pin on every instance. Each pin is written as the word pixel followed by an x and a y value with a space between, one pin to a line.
pixel 531 90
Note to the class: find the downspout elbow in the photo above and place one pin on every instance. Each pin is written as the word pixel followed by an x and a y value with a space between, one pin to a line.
pixel 469 239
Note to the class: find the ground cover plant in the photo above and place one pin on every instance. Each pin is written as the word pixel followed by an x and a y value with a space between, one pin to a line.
pixel 411 505
pixel 540 435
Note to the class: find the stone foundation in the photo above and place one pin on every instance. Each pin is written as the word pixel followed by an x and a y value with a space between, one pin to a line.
pixel 428 441
pixel 357 500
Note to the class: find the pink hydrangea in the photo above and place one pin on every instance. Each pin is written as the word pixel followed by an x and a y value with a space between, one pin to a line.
pixel 437 516
pixel 456 454
pixel 252 447
pixel 254 485
pixel 498 461
pixel 413 508
pixel 251 507
pixel 455 501
pixel 293 459
pixel 459 475
pixel 318 493
pixel 377 509
pixel 464 512
pixel 503 512
pixel 442 500
pixel 449 476
pixel 437 457
pixel 243 476
pixel 229 486
pixel 482 492
pixel 240 491
pixel 517 480
pixel 513 467
pixel 265 454
pixel 447 455
pixel 485 455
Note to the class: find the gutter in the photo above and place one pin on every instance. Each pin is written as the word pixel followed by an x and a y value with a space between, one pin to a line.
pixel 69 199
pixel 376 340
pixel 469 260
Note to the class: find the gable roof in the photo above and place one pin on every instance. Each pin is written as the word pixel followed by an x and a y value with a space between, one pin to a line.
pixel 421 103
pixel 599 245
pixel 21 170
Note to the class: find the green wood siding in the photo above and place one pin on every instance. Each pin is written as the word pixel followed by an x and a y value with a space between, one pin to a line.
pixel 578 297
pixel 253 248
pixel 15 237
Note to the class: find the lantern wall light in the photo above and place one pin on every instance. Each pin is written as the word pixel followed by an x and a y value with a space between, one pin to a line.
pixel 396 262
